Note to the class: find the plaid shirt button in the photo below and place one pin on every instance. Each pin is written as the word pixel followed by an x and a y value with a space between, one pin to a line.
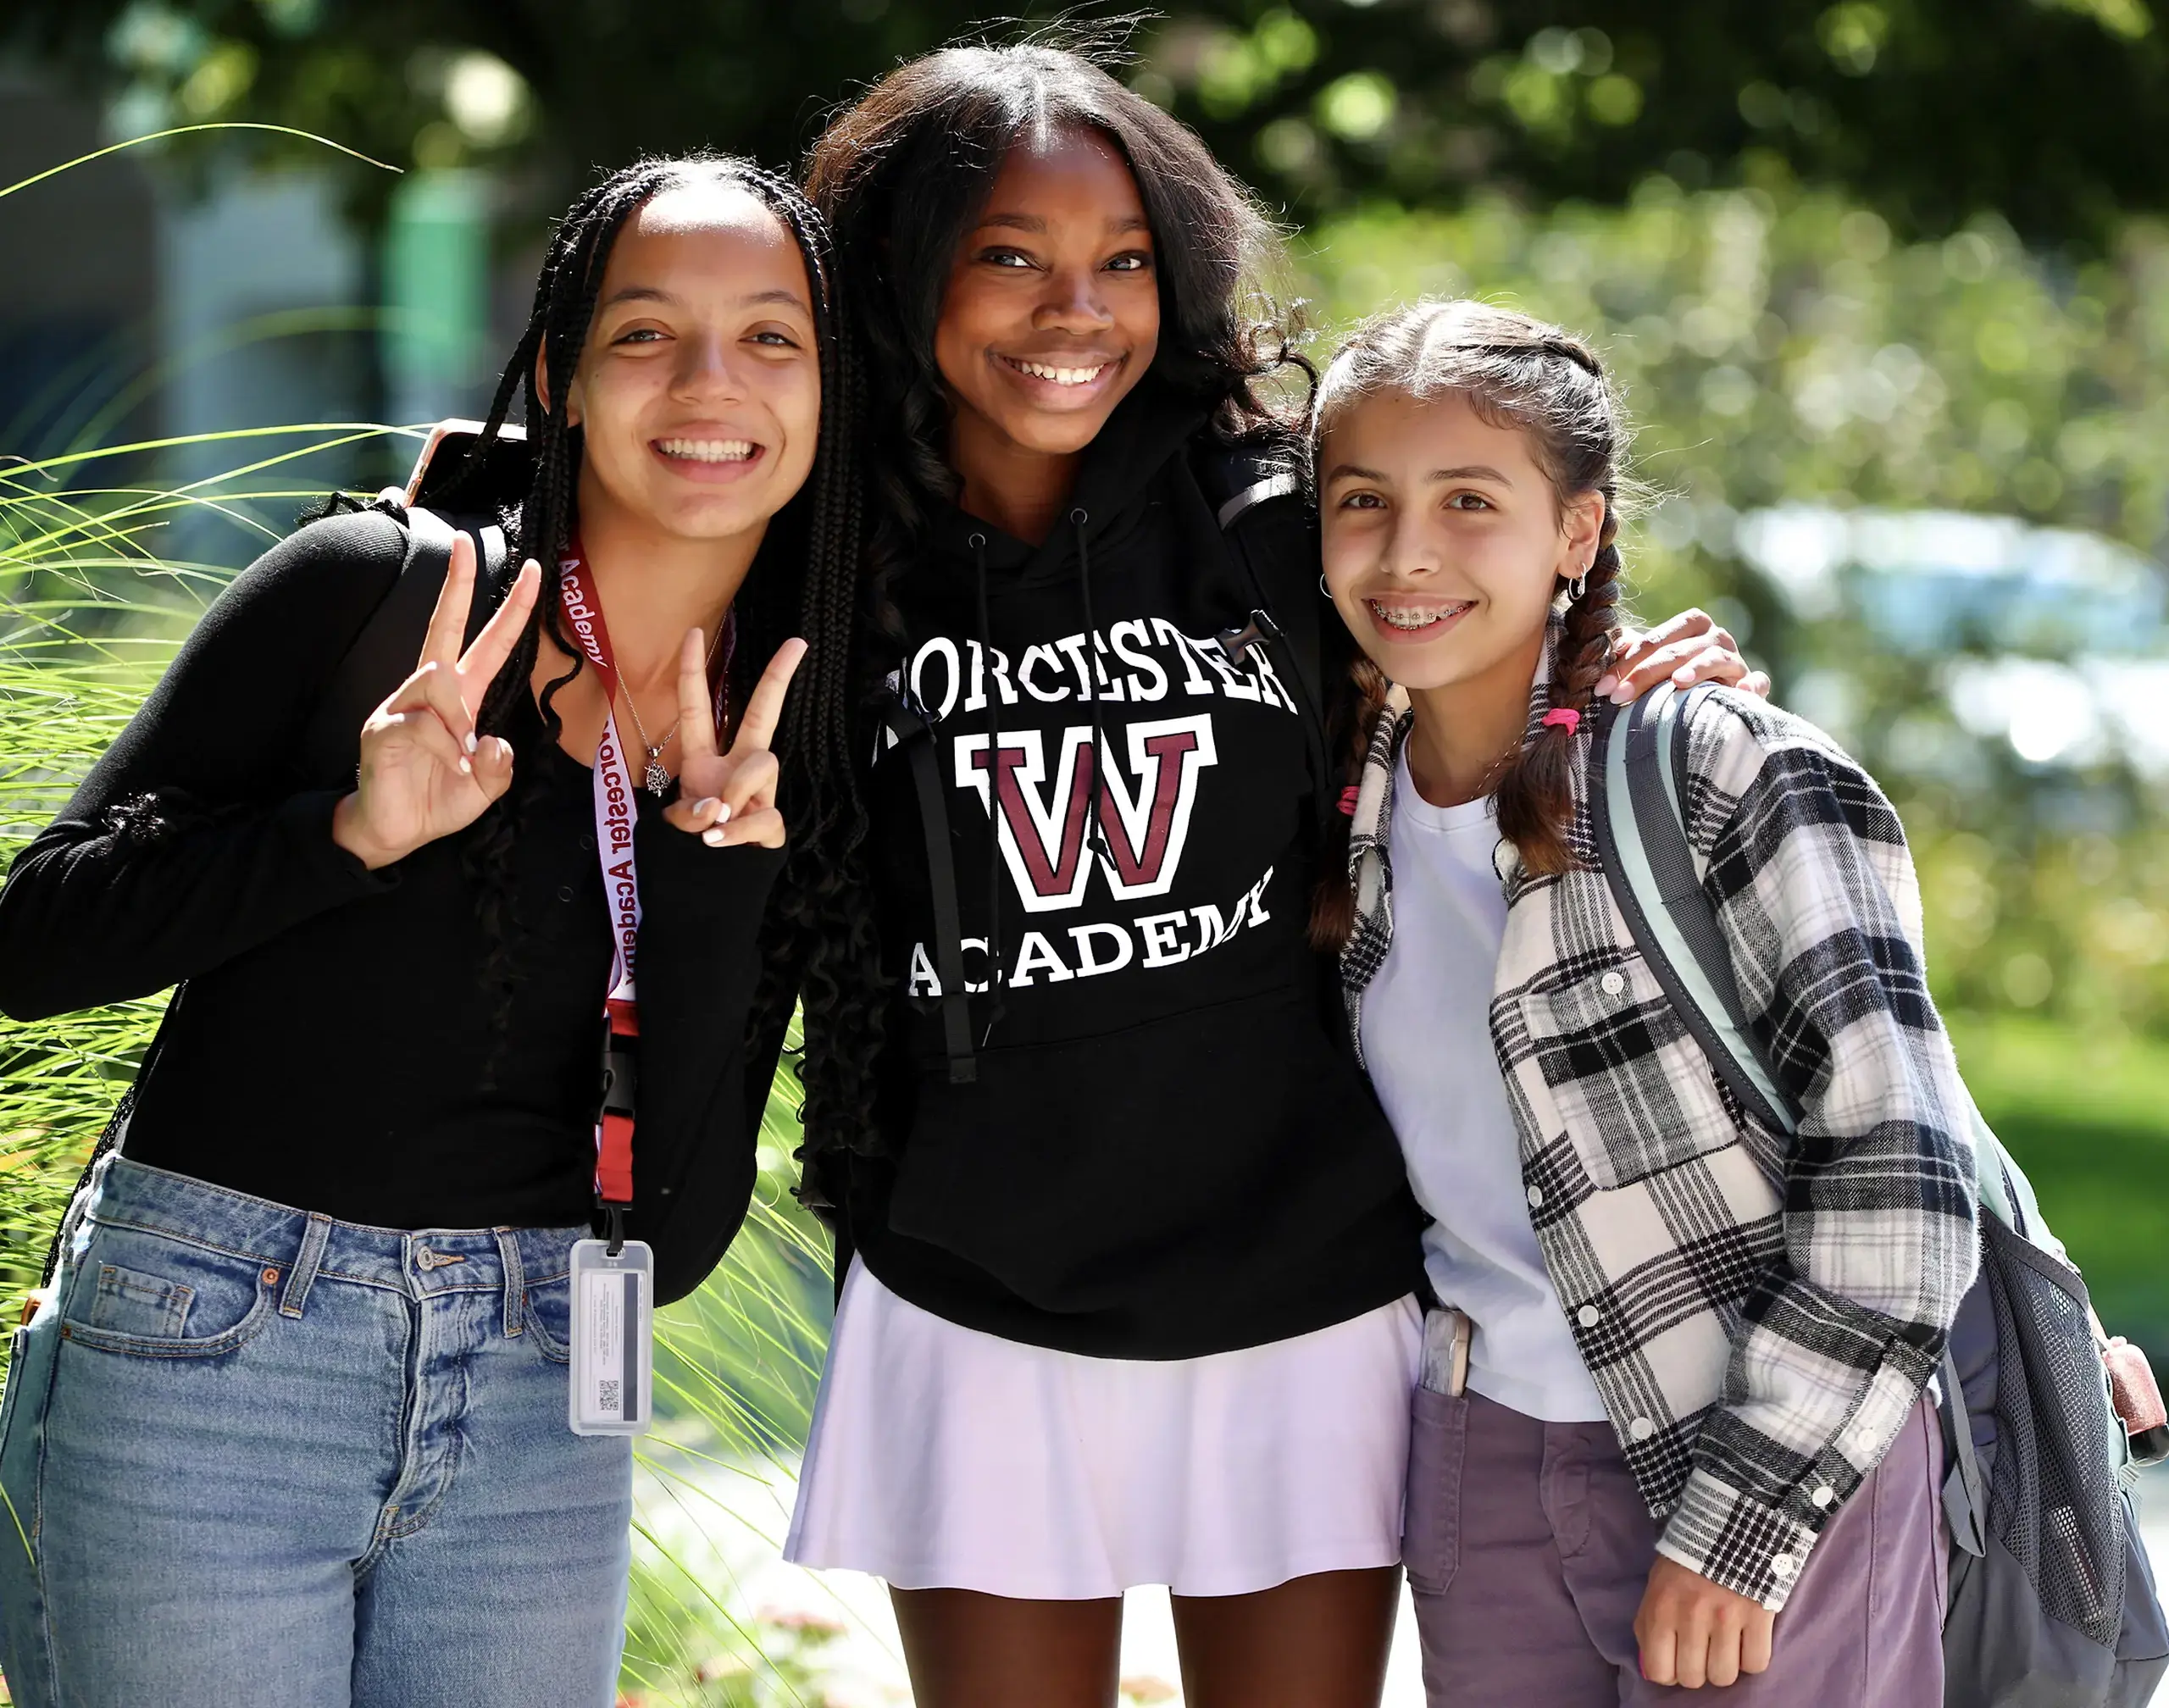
pixel 1641 1429
pixel 1589 1316
pixel 1784 1565
pixel 1824 1496
pixel 1536 1197
pixel 1613 984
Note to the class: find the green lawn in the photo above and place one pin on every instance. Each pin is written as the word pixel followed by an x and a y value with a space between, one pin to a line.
pixel 2087 1119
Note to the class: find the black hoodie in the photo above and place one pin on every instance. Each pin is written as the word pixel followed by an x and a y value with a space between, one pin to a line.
pixel 1152 1143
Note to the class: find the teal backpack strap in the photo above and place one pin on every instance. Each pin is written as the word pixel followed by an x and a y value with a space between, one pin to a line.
pixel 1637 775
pixel 1637 772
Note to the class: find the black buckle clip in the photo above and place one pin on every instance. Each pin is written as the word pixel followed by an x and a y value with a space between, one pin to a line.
pixel 1236 643
pixel 621 1072
pixel 613 1228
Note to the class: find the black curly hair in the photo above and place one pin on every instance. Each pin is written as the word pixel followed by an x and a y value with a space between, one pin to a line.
pixel 805 580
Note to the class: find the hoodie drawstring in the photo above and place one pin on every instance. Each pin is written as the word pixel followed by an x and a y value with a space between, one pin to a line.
pixel 1095 834
pixel 996 1002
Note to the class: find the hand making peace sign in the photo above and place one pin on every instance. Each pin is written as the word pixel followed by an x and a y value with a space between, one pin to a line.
pixel 424 774
pixel 729 798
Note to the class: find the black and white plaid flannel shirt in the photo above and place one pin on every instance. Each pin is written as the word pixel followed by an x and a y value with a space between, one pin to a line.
pixel 1760 1315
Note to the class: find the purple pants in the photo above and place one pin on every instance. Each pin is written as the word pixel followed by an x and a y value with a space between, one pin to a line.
pixel 1528 1547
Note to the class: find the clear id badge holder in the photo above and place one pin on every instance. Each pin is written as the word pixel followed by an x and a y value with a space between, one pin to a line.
pixel 613 1338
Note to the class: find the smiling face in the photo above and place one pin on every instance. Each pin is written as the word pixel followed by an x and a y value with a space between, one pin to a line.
pixel 699 390
pixel 1445 539
pixel 1052 310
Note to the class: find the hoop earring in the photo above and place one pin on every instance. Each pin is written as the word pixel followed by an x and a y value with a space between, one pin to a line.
pixel 1324 591
pixel 1580 585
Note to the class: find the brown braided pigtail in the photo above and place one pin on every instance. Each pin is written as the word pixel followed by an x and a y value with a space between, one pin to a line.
pixel 1535 791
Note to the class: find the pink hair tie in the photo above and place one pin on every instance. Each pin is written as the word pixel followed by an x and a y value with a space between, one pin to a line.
pixel 1566 718
pixel 1348 800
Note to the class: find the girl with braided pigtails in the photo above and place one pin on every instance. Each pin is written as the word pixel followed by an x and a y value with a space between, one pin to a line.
pixel 1670 1428
pixel 1126 1251
pixel 291 1425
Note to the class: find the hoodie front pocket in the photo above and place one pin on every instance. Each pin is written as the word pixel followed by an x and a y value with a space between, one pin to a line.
pixel 1066 1169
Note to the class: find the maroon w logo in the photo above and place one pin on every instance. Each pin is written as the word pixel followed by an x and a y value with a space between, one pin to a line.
pixel 1145 822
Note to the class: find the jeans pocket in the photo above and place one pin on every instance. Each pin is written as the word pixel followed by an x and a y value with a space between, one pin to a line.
pixel 1430 1537
pixel 153 1294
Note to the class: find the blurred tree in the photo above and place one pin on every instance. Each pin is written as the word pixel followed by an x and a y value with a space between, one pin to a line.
pixel 1928 111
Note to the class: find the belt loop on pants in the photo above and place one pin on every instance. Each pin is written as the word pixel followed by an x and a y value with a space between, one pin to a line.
pixel 515 1282
pixel 306 1260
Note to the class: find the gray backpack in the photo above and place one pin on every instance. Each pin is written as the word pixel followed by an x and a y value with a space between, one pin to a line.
pixel 2052 1601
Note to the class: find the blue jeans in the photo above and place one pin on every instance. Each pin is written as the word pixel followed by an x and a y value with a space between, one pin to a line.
pixel 257 1458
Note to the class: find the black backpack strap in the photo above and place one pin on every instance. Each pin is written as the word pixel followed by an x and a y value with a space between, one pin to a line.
pixel 914 736
pixel 111 1139
pixel 1281 562
pixel 382 654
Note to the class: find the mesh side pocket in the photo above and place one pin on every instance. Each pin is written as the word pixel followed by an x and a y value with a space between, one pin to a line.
pixel 2054 1501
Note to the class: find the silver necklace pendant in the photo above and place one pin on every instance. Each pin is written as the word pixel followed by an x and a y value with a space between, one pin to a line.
pixel 656 781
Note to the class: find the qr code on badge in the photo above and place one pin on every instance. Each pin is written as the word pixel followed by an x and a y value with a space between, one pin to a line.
pixel 606 1395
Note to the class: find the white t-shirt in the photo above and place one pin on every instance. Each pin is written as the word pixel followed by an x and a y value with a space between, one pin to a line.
pixel 1427 1037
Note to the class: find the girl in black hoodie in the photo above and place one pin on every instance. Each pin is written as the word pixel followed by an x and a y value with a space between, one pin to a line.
pixel 1132 1298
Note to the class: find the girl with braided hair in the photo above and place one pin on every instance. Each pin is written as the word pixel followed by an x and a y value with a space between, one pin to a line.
pixel 1126 1251
pixel 292 1426
pixel 1669 1429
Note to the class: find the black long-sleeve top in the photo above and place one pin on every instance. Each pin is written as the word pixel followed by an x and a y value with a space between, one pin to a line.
pixel 339 1045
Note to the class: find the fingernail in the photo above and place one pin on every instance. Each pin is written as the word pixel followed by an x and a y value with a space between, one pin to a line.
pixel 1621 694
pixel 466 767
pixel 713 838
pixel 722 813
pixel 472 744
pixel 1607 683
pixel 702 805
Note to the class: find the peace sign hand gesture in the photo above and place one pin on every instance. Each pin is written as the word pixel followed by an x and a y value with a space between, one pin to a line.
pixel 424 774
pixel 727 799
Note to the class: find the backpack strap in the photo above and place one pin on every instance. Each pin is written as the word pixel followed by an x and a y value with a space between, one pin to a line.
pixel 382 654
pixel 1282 484
pixel 1281 563
pixel 915 735
pixel 1965 1497
pixel 1638 793
pixel 1637 773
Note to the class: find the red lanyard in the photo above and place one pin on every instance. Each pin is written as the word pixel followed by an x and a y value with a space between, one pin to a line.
pixel 614 819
